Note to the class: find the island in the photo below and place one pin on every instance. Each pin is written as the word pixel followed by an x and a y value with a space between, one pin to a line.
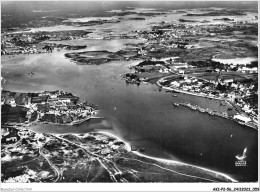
pixel 99 57
pixel 223 12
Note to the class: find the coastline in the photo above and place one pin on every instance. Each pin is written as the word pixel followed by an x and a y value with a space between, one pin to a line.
pixel 215 114
pixel 186 92
pixel 205 96
pixel 179 171
pixel 165 129
pixel 165 160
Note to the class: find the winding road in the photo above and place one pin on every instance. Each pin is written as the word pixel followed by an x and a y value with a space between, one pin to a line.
pixel 113 170
pixel 53 167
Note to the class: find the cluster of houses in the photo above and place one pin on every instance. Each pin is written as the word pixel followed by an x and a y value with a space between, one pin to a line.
pixel 28 43
pixel 187 83
pixel 171 35
pixel 236 93
pixel 14 50
pixel 149 68
pixel 248 70
pixel 51 106
pixel 22 45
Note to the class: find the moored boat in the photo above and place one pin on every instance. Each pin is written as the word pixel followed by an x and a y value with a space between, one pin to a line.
pixel 77 122
pixel 176 104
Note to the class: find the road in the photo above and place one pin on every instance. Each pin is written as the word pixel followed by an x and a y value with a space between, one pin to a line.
pixel 53 167
pixel 112 169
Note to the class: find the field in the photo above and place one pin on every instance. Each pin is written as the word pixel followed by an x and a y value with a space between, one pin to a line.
pixel 149 75
pixel 225 75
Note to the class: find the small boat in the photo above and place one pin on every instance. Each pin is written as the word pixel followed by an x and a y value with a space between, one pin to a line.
pixel 133 149
pixel 202 110
pixel 174 95
pixel 176 104
pixel 241 123
pixel 210 112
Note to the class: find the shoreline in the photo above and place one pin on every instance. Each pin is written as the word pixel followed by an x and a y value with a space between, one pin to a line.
pixel 128 147
pixel 141 116
pixel 186 92
pixel 217 114
pixel 167 162
pixel 49 123
pixel 204 96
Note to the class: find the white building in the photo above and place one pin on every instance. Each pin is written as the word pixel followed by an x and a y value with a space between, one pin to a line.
pixel 228 81
pixel 175 84
pixel 242 118
pixel 250 70
pixel 12 103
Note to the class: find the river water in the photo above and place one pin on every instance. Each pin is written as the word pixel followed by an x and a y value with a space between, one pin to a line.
pixel 141 115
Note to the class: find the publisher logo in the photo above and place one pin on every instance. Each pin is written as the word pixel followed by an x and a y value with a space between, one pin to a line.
pixel 241 162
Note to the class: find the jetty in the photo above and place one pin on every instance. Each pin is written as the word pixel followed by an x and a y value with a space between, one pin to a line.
pixel 214 113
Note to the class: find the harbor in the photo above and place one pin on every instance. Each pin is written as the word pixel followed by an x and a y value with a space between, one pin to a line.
pixel 162 131
pixel 142 115
pixel 214 113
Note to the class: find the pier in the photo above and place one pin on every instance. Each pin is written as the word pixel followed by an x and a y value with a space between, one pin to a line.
pixel 214 113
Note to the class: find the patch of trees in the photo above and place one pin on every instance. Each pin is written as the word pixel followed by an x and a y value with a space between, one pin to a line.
pixel 42 37
pixel 48 48
pixel 222 88
pixel 158 32
pixel 249 80
pixel 132 76
pixel 208 63
pixel 149 62
pixel 252 100
pixel 22 43
pixel 253 64
pixel 52 145
pixel 33 94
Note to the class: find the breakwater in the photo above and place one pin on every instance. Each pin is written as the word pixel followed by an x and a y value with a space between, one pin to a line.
pixel 214 113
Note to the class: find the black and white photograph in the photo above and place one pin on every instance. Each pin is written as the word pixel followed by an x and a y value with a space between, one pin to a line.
pixel 156 93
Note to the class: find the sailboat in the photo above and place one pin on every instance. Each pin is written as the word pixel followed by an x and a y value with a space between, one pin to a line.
pixel 241 157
